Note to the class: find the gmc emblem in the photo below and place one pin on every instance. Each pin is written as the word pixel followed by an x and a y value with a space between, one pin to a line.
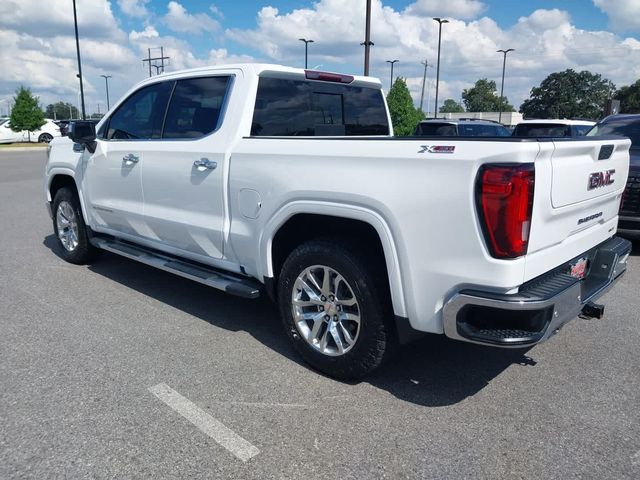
pixel 600 179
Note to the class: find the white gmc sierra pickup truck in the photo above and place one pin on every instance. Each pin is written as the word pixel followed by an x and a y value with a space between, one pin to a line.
pixel 262 178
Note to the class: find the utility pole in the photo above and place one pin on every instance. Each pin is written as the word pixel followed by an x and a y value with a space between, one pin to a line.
pixel 440 22
pixel 504 64
pixel 424 81
pixel 367 39
pixel 149 59
pixel 106 84
pixel 75 22
pixel 306 51
pixel 391 62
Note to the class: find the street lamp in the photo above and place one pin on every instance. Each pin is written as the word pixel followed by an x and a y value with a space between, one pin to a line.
pixel 79 75
pixel 306 50
pixel 106 84
pixel 440 22
pixel 504 64
pixel 391 62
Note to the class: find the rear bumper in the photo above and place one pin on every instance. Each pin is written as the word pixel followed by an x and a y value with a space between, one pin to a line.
pixel 541 306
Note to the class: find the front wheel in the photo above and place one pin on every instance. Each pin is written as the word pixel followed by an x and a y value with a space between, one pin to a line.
pixel 335 308
pixel 70 228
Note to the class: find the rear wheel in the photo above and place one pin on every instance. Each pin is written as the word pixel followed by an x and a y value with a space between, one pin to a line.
pixel 70 228
pixel 335 308
pixel 45 138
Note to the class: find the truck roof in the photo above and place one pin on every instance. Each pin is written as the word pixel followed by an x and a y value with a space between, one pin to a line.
pixel 259 69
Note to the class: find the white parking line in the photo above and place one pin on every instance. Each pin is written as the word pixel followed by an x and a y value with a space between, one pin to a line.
pixel 205 422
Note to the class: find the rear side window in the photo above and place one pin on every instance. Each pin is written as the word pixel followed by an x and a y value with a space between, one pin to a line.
pixel 194 109
pixel 310 108
pixel 142 114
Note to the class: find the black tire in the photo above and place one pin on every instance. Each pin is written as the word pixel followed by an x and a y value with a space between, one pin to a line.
pixel 84 252
pixel 45 138
pixel 376 339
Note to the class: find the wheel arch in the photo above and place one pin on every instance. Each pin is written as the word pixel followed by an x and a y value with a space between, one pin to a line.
pixel 283 233
pixel 64 178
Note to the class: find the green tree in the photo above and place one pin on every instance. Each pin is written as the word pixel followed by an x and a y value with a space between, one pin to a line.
pixel 451 106
pixel 569 94
pixel 629 97
pixel 482 97
pixel 61 110
pixel 26 113
pixel 404 115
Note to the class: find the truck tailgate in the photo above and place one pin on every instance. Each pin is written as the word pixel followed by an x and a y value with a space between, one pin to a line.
pixel 578 189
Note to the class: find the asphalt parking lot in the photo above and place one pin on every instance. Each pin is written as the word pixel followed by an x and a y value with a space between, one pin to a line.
pixel 120 370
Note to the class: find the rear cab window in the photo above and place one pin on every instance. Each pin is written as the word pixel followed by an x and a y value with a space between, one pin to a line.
pixel 542 130
pixel 290 107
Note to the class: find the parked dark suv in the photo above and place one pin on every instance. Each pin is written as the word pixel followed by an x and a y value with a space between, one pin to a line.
pixel 627 126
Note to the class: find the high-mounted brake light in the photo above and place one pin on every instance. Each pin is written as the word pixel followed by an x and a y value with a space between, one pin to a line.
pixel 505 202
pixel 327 76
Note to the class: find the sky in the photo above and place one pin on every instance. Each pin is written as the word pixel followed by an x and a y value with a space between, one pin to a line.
pixel 37 46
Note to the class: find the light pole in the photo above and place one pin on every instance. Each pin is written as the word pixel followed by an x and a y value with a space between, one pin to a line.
pixel 306 50
pixel 367 39
pixel 391 62
pixel 424 80
pixel 504 64
pixel 106 84
pixel 75 22
pixel 440 22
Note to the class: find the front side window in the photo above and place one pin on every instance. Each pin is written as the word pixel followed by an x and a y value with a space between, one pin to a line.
pixel 311 108
pixel 141 115
pixel 195 107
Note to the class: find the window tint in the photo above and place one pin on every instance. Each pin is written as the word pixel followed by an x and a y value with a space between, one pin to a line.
pixel 195 107
pixel 142 114
pixel 581 129
pixel 542 130
pixel 307 108
pixel 479 130
pixel 622 129
pixel 437 129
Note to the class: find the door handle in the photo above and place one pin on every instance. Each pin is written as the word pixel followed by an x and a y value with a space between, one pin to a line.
pixel 130 158
pixel 205 163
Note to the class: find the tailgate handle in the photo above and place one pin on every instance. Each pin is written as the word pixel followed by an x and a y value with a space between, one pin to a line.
pixel 605 152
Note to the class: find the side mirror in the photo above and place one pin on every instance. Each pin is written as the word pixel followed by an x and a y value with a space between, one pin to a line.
pixel 84 133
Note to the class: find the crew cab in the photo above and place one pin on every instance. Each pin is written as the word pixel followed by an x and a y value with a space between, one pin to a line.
pixel 262 179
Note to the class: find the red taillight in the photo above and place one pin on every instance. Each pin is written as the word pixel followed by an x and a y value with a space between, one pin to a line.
pixel 505 201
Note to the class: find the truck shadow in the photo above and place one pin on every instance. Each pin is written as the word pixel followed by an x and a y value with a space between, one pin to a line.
pixel 433 371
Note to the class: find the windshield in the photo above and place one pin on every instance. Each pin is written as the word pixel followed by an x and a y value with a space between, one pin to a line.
pixel 542 130
pixel 621 129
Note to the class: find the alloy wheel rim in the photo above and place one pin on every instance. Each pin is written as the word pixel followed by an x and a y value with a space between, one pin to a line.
pixel 67 226
pixel 325 310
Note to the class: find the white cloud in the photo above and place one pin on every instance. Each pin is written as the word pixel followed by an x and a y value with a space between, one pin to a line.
pixel 623 14
pixel 148 32
pixel 179 20
pixel 134 8
pixel 545 41
pixel 216 11
pixel 462 9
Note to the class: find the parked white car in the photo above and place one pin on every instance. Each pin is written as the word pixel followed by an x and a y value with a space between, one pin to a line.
pixel 260 179
pixel 43 135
